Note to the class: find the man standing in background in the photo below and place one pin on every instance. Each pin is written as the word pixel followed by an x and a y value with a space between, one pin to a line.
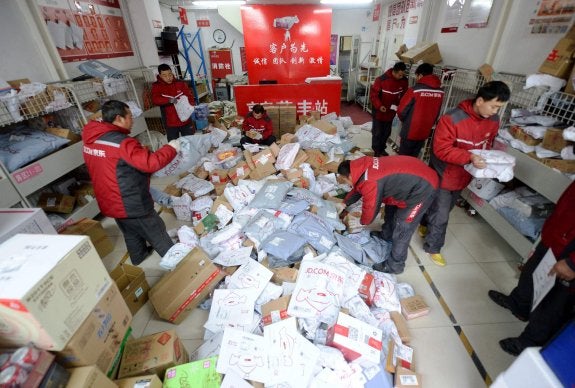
pixel 418 110
pixel 385 95
pixel 165 93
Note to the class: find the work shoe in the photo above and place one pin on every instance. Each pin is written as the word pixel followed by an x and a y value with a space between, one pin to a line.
pixel 438 259
pixel 422 231
pixel 383 267
pixel 505 302
pixel 149 251
pixel 513 346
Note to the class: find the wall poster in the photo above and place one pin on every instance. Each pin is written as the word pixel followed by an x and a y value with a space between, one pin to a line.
pixel 286 44
pixel 478 14
pixel 452 15
pixel 86 29
pixel 552 17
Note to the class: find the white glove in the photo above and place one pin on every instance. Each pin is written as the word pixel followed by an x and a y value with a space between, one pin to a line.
pixel 175 144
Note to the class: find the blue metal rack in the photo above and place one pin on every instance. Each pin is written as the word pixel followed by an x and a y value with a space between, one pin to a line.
pixel 194 44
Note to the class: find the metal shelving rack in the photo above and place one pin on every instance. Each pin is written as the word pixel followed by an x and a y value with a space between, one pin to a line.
pixel 371 73
pixel 22 185
pixel 195 46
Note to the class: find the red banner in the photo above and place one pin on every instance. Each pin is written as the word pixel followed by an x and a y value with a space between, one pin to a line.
pixel 323 97
pixel 221 63
pixel 286 43
pixel 183 15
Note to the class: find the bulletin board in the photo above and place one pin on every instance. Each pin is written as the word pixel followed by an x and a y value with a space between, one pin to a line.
pixel 86 29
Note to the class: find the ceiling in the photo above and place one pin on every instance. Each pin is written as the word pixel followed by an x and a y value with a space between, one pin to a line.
pixel 188 3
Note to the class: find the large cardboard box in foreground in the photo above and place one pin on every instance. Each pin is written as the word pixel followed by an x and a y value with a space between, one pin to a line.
pixel 50 284
pixel 183 289
pixel 98 340
pixel 559 61
pixel 426 52
pixel 31 221
pixel 95 231
pixel 152 354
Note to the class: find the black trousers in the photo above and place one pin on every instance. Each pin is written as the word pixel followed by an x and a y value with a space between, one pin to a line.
pixel 552 312
pixel 380 132
pixel 175 132
pixel 138 231
pixel 410 147
pixel 269 141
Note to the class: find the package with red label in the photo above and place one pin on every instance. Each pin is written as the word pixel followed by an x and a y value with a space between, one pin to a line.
pixel 355 339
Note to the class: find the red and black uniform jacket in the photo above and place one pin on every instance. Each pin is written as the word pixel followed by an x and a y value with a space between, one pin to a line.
pixel 402 181
pixel 120 168
pixel 161 93
pixel 262 125
pixel 458 132
pixel 386 91
pixel 558 232
pixel 419 108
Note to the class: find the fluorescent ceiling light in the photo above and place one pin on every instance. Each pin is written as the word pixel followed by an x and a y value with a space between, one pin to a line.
pixel 350 2
pixel 212 3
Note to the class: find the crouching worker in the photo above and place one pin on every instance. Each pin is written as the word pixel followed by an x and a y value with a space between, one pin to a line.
pixel 120 169
pixel 405 185
pixel 257 127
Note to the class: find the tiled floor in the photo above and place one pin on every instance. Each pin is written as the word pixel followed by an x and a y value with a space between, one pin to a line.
pixel 478 260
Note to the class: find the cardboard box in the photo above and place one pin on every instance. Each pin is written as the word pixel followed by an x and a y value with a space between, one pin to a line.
pixel 559 61
pixel 553 140
pixel 402 49
pixel 518 133
pixel 132 283
pixel 148 381
pixel 219 188
pixel 201 373
pixel 84 194
pixel 570 87
pixel 239 171
pixel 152 354
pixel 262 170
pixel 57 203
pixel 219 175
pixel 288 118
pixel 30 221
pixel 89 377
pixel 486 71
pixel 566 166
pixel 414 307
pixel 355 339
pixel 284 274
pixel 98 339
pixel 426 52
pixel 325 126
pixel 401 325
pixel 94 230
pixel 54 283
pixel 65 133
pixel 301 157
pixel 275 310
pixel 316 158
pixel 273 112
pixel 181 290
pixel 367 289
pixel 406 378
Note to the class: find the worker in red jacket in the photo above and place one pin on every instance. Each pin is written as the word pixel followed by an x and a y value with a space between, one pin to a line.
pixel 473 124
pixel 385 94
pixel 405 185
pixel 120 169
pixel 556 308
pixel 257 127
pixel 165 92
pixel 418 110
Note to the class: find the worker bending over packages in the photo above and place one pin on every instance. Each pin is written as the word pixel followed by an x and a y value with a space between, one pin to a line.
pixel 405 185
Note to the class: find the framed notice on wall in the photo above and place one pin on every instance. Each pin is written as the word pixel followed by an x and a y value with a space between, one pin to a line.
pixel 86 29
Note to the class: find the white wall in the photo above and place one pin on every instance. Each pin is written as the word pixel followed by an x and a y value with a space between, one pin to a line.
pixel 142 11
pixel 355 22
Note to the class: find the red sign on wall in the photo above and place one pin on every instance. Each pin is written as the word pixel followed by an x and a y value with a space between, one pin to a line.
pixel 286 43
pixel 203 22
pixel 183 15
pixel 221 63
pixel 323 97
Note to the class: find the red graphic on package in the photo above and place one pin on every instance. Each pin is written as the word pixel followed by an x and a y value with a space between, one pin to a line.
pixel 91 30
pixel 286 44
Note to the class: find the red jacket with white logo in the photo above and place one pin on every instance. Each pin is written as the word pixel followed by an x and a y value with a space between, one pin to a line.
pixel 120 168
pixel 458 132
pixel 402 181
pixel 558 232
pixel 386 91
pixel 262 125
pixel 161 93
pixel 419 108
